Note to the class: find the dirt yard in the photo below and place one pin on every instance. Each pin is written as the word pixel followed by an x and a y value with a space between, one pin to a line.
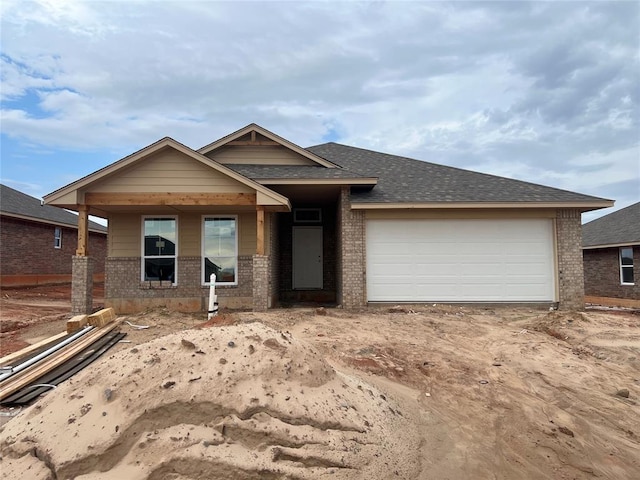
pixel 428 392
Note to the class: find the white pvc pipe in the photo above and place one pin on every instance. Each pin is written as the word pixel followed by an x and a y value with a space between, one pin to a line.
pixel 44 354
pixel 213 298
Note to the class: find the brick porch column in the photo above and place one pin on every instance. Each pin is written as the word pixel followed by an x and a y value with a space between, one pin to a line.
pixel 260 283
pixel 352 262
pixel 81 285
pixel 570 266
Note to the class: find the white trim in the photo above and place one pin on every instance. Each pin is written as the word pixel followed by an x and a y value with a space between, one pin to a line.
pixel 142 245
pixel 611 245
pixel 427 205
pixel 622 282
pixel 57 237
pixel 317 181
pixel 233 217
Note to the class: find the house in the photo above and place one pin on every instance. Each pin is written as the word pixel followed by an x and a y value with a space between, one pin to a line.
pixel 37 242
pixel 611 253
pixel 280 224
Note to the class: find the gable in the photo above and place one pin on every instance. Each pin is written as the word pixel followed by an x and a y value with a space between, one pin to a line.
pixel 163 173
pixel 169 170
pixel 254 145
pixel 259 155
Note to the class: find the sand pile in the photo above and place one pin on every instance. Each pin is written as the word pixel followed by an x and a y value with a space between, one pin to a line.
pixel 242 402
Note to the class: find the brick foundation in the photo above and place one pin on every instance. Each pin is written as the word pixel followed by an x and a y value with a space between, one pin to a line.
pixel 570 267
pixel 81 285
pixel 126 293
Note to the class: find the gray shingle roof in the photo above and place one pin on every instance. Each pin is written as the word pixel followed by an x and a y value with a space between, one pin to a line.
pixel 402 179
pixel 617 228
pixel 13 202
pixel 257 172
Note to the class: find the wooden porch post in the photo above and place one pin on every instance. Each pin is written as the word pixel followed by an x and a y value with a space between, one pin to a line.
pixel 260 230
pixel 83 231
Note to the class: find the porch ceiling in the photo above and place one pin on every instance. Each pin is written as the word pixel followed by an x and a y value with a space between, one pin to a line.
pixel 309 194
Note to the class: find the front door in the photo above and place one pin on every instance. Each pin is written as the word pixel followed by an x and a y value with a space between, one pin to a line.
pixel 307 258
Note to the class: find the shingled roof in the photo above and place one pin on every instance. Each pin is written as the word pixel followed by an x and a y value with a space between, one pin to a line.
pixel 259 172
pixel 406 180
pixel 619 228
pixel 17 204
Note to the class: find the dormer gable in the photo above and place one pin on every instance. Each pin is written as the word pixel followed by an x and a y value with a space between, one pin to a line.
pixel 254 145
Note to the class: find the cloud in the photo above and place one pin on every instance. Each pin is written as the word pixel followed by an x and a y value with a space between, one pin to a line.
pixel 534 90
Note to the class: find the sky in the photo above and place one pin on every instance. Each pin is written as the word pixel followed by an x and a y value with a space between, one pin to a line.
pixel 545 92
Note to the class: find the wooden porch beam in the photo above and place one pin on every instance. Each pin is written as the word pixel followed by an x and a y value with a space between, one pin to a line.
pixel 83 231
pixel 179 198
pixel 260 230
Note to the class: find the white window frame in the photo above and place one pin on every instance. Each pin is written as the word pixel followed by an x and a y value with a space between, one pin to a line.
pixel 206 282
pixel 142 245
pixel 57 237
pixel 622 267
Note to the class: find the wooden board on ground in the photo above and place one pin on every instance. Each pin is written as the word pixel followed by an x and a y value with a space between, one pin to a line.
pixel 12 357
pixel 35 371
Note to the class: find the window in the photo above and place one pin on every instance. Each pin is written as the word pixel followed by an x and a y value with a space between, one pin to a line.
pixel 220 250
pixel 159 249
pixel 626 265
pixel 57 237
pixel 307 215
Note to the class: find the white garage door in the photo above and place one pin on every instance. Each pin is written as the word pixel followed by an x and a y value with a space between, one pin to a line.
pixel 460 260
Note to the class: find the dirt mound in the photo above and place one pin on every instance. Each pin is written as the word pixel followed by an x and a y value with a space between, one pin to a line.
pixel 238 402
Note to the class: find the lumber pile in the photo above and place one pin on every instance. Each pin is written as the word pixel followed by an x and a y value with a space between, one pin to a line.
pixel 76 323
pixel 105 322
pixel 101 318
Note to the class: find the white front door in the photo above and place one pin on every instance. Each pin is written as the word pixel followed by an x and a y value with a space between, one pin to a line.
pixel 307 258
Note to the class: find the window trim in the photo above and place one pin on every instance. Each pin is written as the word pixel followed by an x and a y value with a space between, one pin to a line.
pixel 207 283
pixel 142 245
pixel 57 237
pixel 622 267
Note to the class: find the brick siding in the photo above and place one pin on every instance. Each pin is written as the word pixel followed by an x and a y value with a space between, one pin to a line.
pixel 27 248
pixel 127 294
pixel 260 283
pixel 82 285
pixel 351 225
pixel 602 273
pixel 274 264
pixel 570 267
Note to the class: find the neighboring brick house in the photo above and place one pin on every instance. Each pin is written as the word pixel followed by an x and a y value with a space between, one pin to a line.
pixel 38 242
pixel 279 224
pixel 611 253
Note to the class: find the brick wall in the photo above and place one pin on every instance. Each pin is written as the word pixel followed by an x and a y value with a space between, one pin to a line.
pixel 352 253
pixel 274 264
pixel 570 267
pixel 602 273
pixel 260 283
pixel 28 256
pixel 127 294
pixel 27 248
